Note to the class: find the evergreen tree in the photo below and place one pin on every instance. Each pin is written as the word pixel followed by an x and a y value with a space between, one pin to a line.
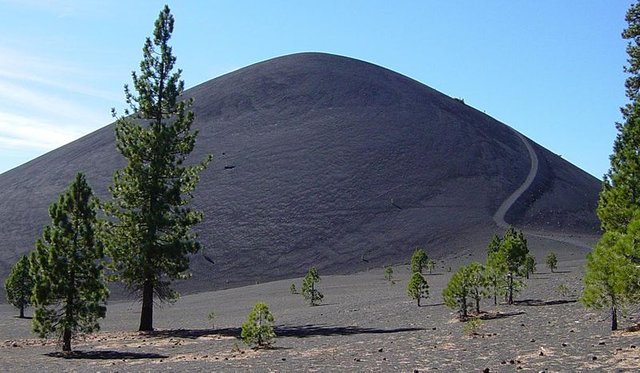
pixel 611 278
pixel 514 252
pixel 418 260
pixel 19 285
pixel 309 291
pixel 495 269
pixel 551 261
pixel 529 265
pixel 457 291
pixel 478 283
pixel 70 293
pixel 151 237
pixel 431 264
pixel 417 288
pixel 258 328
pixel 388 273
pixel 620 194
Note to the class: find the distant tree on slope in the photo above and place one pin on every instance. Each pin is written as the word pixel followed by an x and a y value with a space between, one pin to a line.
pixel 417 288
pixel 258 328
pixel 418 260
pixel 70 292
pixel 19 285
pixel 309 290
pixel 551 261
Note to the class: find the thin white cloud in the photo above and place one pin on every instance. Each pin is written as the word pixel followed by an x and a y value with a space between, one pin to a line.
pixel 17 132
pixel 20 66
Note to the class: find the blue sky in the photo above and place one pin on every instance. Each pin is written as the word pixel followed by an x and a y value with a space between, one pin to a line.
pixel 550 69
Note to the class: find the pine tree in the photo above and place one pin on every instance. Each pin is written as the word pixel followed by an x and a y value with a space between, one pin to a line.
pixel 70 293
pixel 457 291
pixel 611 278
pixel 258 328
pixel 418 260
pixel 551 261
pixel 620 194
pixel 529 265
pixel 417 288
pixel 151 236
pixel 19 285
pixel 514 250
pixel 478 283
pixel 495 269
pixel 309 290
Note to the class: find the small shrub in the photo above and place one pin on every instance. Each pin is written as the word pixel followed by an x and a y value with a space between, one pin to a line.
pixel 211 317
pixel 258 328
pixel 388 273
pixel 563 290
pixel 292 289
pixel 472 326
pixel 551 261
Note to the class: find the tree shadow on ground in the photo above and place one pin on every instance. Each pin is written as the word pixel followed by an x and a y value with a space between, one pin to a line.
pixel 499 315
pixel 432 305
pixel 540 302
pixel 300 331
pixel 106 355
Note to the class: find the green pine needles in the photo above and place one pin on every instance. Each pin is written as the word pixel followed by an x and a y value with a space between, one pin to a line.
pixel 309 289
pixel 150 230
pixel 19 285
pixel 70 291
pixel 258 328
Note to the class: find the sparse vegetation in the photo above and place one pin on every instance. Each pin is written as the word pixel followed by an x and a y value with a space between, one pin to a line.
pixel 431 264
pixel 417 288
pixel 19 285
pixel 257 330
pixel 309 290
pixel 529 265
pixel 388 274
pixel 551 261
pixel 477 283
pixel 69 293
pixel 418 260
pixel 472 326
pixel 150 225
pixel 292 289
pixel 456 292
pixel 611 276
pixel 211 317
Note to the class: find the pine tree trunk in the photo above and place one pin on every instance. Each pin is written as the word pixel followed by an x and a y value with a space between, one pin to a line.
pixel 22 311
pixel 66 339
pixel 464 308
pixel 419 300
pixel 614 318
pixel 146 316
pixel 510 289
pixel 477 305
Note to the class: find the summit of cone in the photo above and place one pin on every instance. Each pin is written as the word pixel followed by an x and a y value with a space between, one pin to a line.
pixel 327 161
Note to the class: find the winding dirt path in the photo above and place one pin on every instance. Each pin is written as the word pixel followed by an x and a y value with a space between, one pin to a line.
pixel 499 215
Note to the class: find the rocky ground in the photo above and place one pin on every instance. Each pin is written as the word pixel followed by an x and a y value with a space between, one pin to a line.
pixel 364 324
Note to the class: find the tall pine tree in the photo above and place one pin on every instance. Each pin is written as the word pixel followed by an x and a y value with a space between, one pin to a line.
pixel 69 292
pixel 611 273
pixel 620 194
pixel 151 226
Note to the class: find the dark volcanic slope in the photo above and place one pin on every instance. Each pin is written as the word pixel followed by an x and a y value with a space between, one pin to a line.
pixel 328 161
